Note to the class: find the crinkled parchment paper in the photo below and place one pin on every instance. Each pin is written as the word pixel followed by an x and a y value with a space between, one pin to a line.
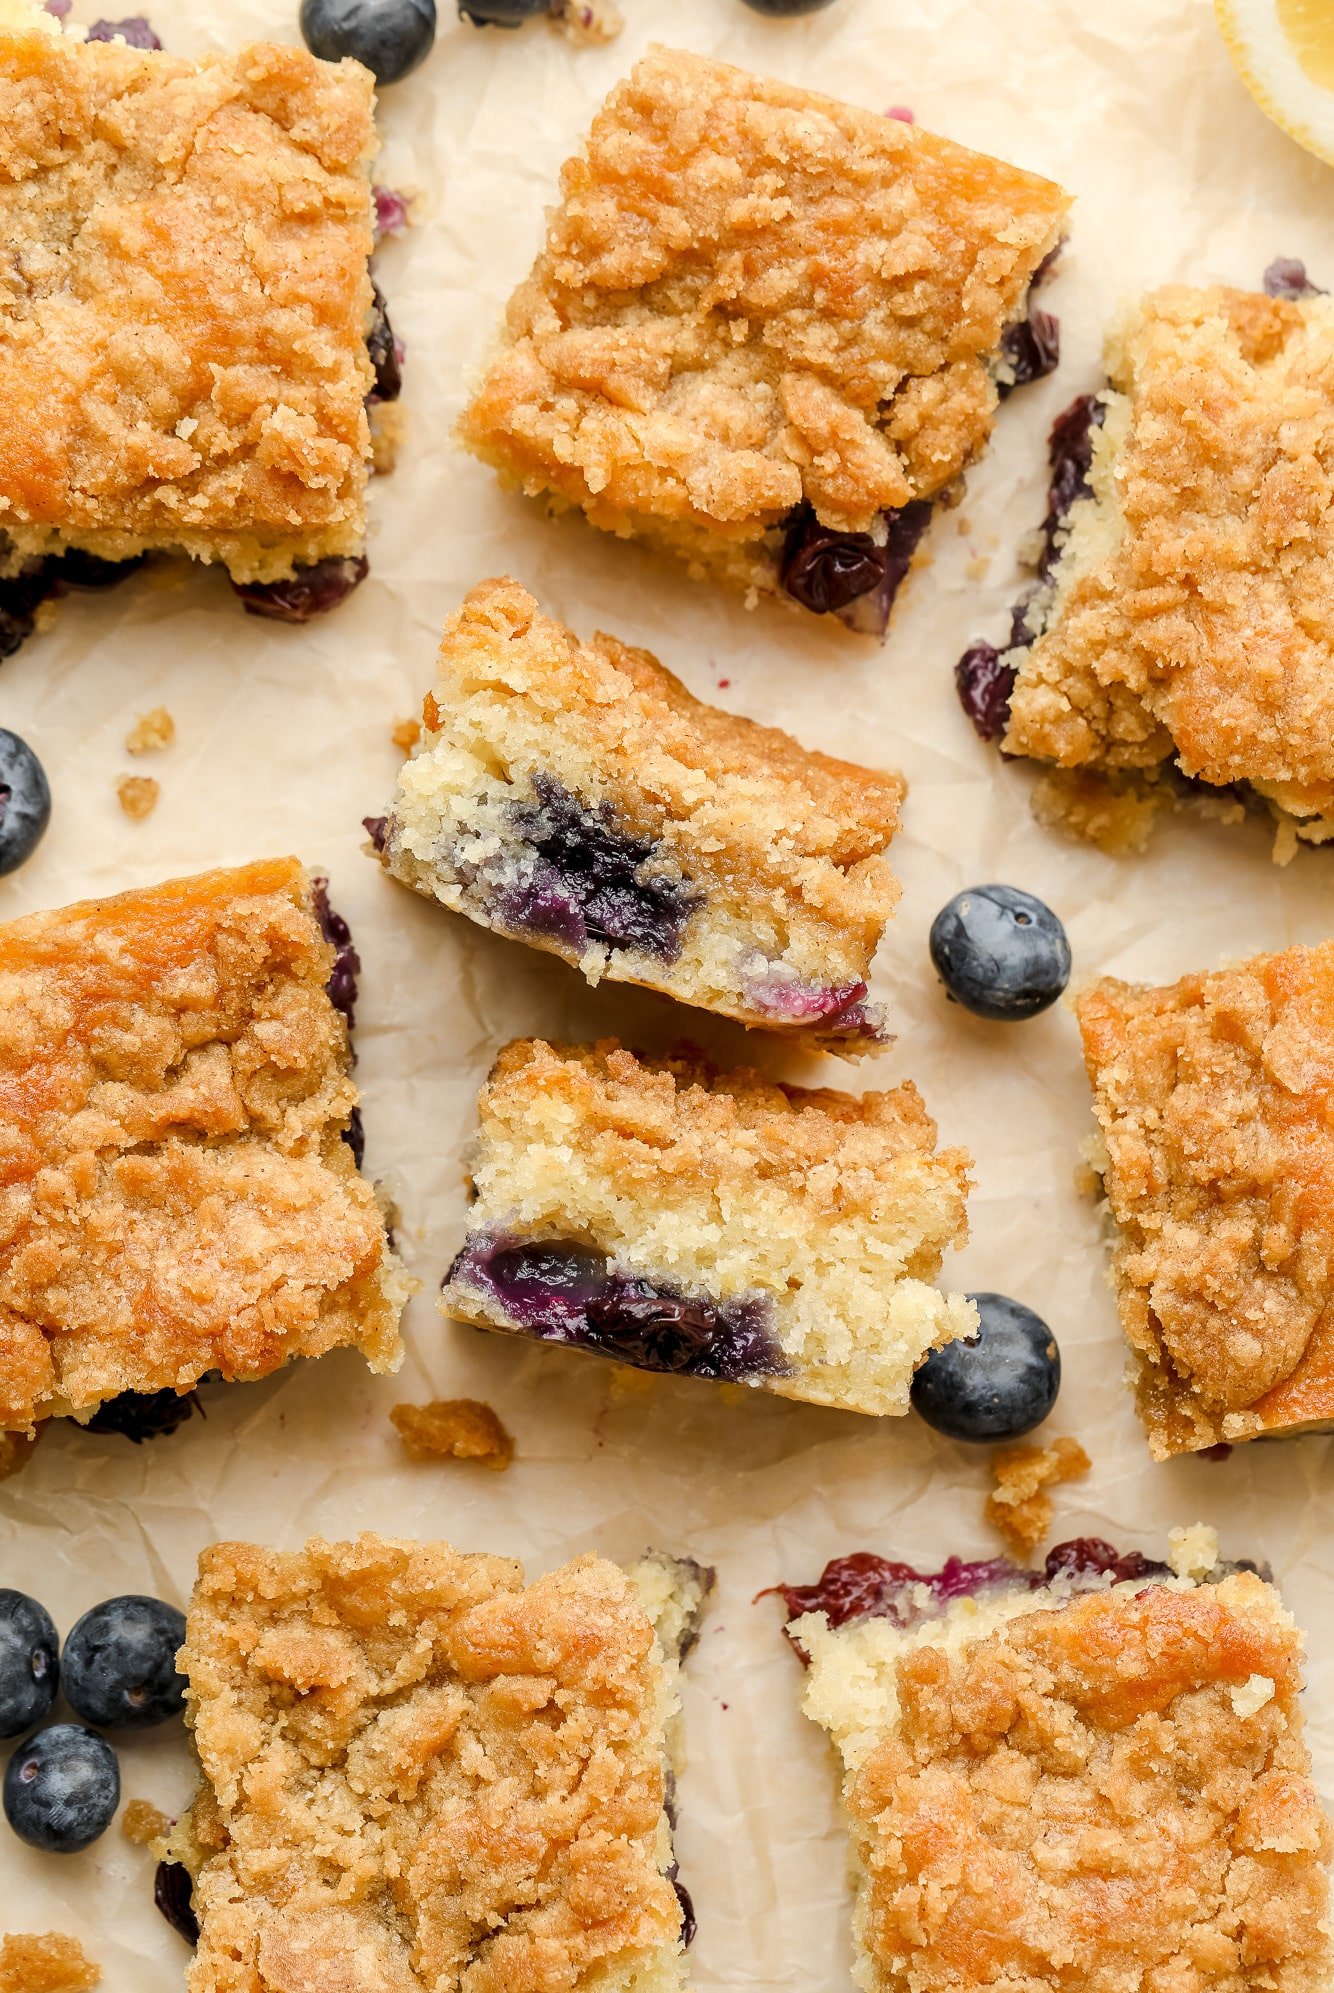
pixel 283 744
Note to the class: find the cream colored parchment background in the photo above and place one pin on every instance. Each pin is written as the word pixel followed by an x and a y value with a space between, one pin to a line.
pixel 283 744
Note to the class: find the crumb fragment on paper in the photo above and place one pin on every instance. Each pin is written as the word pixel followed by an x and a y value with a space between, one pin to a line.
pixel 589 20
pixel 143 1823
pixel 1019 1507
pixel 138 795
pixel 45 1963
pixel 454 1429
pixel 151 732
pixel 406 734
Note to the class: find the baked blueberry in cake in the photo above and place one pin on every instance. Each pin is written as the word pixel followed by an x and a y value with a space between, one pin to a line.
pixel 1174 646
pixel 1216 1153
pixel 184 363
pixel 418 1772
pixel 575 796
pixel 767 332
pixel 180 1198
pixel 711 1224
pixel 1092 1776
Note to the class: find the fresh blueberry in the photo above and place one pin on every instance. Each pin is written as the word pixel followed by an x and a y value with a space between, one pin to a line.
pixel 995 1385
pixel 119 1664
pixel 25 802
pixel 390 36
pixel 780 9
pixel 61 1789
pixel 29 1663
pixel 1000 953
pixel 502 13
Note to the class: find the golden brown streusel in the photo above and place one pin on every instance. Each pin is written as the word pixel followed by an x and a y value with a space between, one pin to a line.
pixel 406 734
pixel 151 732
pixel 827 1213
pixel 45 1963
pixel 1115 1794
pixel 1019 1507
pixel 454 1429
pixel 138 795
pixel 142 1823
pixel 417 1770
pixel 1189 623
pixel 183 313
pixel 176 1195
pixel 751 296
pixel 1213 1097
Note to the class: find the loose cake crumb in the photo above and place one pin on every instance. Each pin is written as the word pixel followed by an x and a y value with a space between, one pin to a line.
pixel 1193 1552
pixel 1019 1508
pixel 153 731
pixel 589 20
pixel 138 795
pixel 454 1429
pixel 406 734
pixel 15 1452
pixel 46 1964
pixel 143 1823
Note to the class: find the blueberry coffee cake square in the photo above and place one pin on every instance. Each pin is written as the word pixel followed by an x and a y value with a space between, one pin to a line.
pixel 1217 1160
pixel 184 315
pixel 178 1190
pixel 767 332
pixel 712 1224
pixel 1176 646
pixel 418 1772
pixel 1092 1776
pixel 575 796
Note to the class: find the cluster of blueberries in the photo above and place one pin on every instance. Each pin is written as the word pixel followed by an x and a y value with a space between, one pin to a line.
pixel 393 36
pixel 117 1670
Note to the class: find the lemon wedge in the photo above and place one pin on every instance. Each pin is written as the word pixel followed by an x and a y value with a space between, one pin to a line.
pixel 1284 54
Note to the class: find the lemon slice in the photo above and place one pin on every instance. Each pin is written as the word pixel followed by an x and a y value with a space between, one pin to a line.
pixel 1284 53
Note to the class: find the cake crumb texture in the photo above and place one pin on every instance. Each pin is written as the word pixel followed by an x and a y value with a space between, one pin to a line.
pixel 1212 1096
pixel 138 795
pixel 151 732
pixel 184 302
pixel 142 1823
pixel 1102 1797
pixel 454 1429
pixel 48 1963
pixel 752 295
pixel 176 1195
pixel 419 1773
pixel 1191 614
pixel 1019 1506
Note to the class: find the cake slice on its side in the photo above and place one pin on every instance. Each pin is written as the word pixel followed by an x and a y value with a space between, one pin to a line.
pixel 768 331
pixel 712 1224
pixel 576 797
pixel 1091 1776
pixel 1217 1158
pixel 417 1772
pixel 178 1189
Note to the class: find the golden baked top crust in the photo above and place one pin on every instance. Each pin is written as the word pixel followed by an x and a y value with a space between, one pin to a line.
pixel 175 1193
pixel 1116 1794
pixel 1214 1100
pixel 1199 629
pixel 746 800
pixel 752 295
pixel 417 1770
pixel 647 1122
pixel 184 301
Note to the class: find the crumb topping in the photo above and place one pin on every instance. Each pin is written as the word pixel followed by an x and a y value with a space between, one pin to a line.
pixel 48 1963
pixel 138 795
pixel 752 295
pixel 176 1195
pixel 142 1823
pixel 1189 620
pixel 1212 1096
pixel 454 1429
pixel 184 303
pixel 152 732
pixel 413 1762
pixel 1099 1795
pixel 1019 1506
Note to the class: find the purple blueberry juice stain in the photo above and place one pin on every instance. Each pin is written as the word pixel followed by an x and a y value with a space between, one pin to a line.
pixel 310 592
pixel 850 575
pixel 135 30
pixel 563 1292
pixel 1286 278
pixel 590 879
pixel 391 212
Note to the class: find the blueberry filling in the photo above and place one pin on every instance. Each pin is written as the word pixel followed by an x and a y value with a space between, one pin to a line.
pixel 1032 348
pixel 310 592
pixel 850 575
pixel 835 1010
pixel 984 683
pixel 564 1292
pixel 1286 278
pixel 173 1893
pixel 135 31
pixel 21 595
pixel 391 212
pixel 141 1415
pixel 589 880
pixel 342 984
pixel 377 830
pixel 689 1925
pixel 386 352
